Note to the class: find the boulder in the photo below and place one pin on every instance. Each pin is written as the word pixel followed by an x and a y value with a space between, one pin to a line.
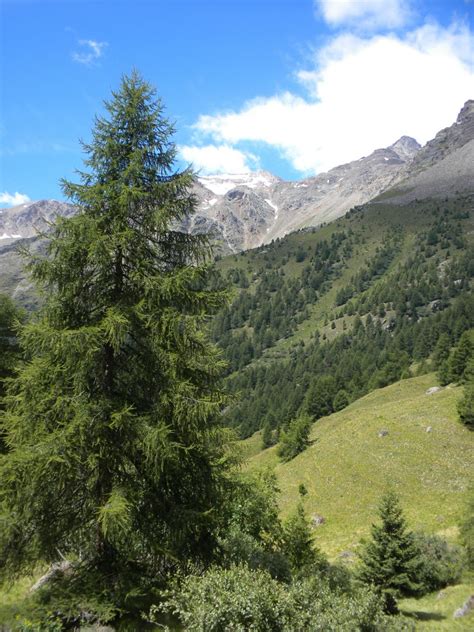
pixel 383 432
pixel 317 520
pixel 465 609
pixel 433 389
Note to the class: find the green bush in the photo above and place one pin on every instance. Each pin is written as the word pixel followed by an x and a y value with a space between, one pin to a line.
pixel 236 599
pixel 439 565
pixel 241 600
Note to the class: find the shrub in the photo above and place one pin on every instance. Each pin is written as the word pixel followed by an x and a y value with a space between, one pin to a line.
pixel 439 563
pixel 227 599
pixel 240 600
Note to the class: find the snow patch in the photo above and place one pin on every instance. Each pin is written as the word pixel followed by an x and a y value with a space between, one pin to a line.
pixel 5 236
pixel 274 206
pixel 221 184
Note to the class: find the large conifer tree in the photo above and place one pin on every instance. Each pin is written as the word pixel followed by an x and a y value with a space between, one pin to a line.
pixel 114 448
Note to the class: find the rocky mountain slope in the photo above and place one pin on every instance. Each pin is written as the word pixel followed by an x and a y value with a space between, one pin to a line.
pixel 247 210
pixel 252 209
pixel 444 166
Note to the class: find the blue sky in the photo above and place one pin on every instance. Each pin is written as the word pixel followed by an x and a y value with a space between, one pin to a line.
pixel 292 86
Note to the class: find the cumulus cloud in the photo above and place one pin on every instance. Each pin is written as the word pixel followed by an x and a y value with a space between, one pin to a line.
pixel 13 199
pixel 90 51
pixel 361 93
pixel 364 13
pixel 217 158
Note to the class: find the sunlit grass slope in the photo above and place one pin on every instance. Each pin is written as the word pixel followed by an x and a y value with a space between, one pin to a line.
pixel 348 466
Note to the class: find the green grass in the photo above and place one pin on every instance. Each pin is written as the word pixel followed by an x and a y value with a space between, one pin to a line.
pixel 434 612
pixel 348 466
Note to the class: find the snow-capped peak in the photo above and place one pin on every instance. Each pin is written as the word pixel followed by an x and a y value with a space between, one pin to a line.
pixel 221 183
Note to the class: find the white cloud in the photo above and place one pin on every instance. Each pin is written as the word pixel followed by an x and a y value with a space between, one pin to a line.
pixel 90 51
pixel 365 13
pixel 362 93
pixel 217 158
pixel 13 199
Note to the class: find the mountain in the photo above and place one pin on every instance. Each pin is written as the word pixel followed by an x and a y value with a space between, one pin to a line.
pixel 247 210
pixel 444 166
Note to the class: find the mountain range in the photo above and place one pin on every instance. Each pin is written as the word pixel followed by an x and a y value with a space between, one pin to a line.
pixel 244 211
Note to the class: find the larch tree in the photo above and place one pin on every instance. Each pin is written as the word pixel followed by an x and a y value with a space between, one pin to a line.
pixel 115 450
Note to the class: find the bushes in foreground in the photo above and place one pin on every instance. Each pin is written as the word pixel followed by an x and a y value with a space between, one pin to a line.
pixel 239 599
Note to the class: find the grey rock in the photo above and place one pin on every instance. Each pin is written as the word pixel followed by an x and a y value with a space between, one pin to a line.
pixel 383 432
pixel 317 520
pixel 465 609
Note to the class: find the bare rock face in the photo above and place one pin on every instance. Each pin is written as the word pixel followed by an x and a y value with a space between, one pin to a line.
pixel 465 609
pixel 444 166
pixel 30 219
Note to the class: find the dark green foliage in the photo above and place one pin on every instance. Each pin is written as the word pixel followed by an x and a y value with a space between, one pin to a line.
pixel 389 561
pixel 115 450
pixel 366 357
pixel 467 529
pixel 466 405
pixel 439 564
pixel 296 438
pixel 341 400
pixel 441 351
pixel 319 397
pixel 257 320
pixel 268 436
pixel 11 316
pixel 254 534
pixel 10 319
pixel 460 357
pixel 298 543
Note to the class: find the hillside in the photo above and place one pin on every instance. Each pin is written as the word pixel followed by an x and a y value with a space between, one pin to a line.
pixel 355 302
pixel 348 465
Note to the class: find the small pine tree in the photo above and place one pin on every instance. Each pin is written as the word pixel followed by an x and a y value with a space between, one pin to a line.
pixel 267 436
pixel 441 351
pixel 467 529
pixel 298 544
pixel 460 357
pixel 466 405
pixel 389 559
pixel 341 400
pixel 295 439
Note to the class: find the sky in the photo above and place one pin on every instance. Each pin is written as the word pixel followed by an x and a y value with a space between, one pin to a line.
pixel 294 87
